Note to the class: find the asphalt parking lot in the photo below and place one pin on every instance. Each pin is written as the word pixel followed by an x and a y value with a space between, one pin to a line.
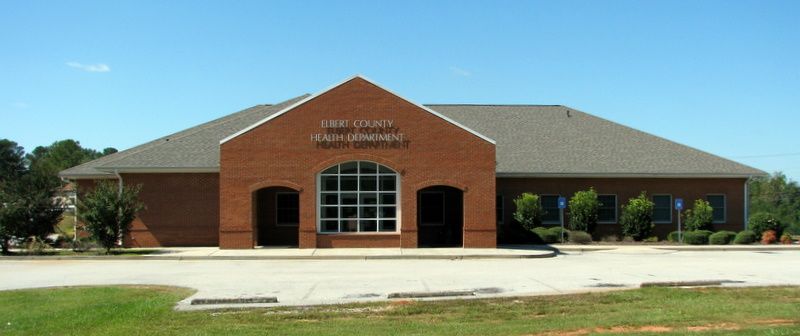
pixel 306 282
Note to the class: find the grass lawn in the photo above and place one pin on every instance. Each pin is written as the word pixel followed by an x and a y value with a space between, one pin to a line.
pixel 663 311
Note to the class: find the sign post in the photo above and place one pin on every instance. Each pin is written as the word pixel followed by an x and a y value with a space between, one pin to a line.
pixel 562 204
pixel 679 207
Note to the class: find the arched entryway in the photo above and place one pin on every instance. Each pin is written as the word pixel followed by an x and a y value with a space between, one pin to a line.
pixel 440 217
pixel 277 216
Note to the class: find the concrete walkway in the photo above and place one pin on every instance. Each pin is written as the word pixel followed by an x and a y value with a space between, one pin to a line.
pixel 357 253
pixel 501 252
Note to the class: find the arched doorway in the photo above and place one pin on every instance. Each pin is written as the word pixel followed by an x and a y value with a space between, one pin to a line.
pixel 277 216
pixel 440 217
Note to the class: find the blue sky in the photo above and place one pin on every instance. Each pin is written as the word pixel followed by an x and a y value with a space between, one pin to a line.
pixel 721 76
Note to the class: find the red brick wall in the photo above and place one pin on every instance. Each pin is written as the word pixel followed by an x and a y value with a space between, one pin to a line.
pixel 626 188
pixel 281 153
pixel 182 210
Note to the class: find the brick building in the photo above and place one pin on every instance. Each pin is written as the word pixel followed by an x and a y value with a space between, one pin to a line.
pixel 359 166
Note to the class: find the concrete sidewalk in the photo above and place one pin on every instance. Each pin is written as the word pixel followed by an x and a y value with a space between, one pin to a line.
pixel 283 253
pixel 501 252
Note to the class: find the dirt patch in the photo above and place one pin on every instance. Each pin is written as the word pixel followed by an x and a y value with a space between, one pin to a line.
pixel 612 330
pixel 775 322
pixel 720 326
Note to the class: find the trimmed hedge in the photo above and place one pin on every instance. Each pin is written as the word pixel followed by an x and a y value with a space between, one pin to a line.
pixel 547 236
pixel 697 237
pixel 721 238
pixel 557 231
pixel 579 237
pixel 745 237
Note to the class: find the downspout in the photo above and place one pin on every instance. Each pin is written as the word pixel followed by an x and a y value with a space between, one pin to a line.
pixel 119 181
pixel 747 200
pixel 119 194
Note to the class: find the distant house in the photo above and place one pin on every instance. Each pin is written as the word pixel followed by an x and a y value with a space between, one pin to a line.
pixel 360 166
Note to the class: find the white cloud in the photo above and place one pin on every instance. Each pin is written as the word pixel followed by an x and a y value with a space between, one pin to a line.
pixel 460 72
pixel 99 67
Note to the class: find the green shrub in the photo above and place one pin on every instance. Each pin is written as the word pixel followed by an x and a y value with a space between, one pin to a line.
pixel 580 237
pixel 612 238
pixel 721 238
pixel 786 238
pixel 698 237
pixel 547 236
pixel 529 210
pixel 673 237
pixel 652 239
pixel 637 217
pixel 745 237
pixel 764 221
pixel 700 216
pixel 557 231
pixel 108 212
pixel 583 207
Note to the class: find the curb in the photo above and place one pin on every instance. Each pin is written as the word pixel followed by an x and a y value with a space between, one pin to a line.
pixel 549 254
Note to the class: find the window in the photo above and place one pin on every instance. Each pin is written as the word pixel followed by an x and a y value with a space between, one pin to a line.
pixel 607 212
pixel 287 209
pixel 358 196
pixel 717 203
pixel 662 210
pixel 552 214
pixel 499 209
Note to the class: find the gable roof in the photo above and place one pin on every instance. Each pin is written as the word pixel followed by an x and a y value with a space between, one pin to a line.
pixel 307 99
pixel 533 140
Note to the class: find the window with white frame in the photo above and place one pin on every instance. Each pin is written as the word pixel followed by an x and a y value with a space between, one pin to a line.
pixel 607 212
pixel 287 209
pixel 717 203
pixel 551 212
pixel 358 196
pixel 662 209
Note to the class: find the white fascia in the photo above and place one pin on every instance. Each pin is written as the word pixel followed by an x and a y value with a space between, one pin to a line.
pixel 279 113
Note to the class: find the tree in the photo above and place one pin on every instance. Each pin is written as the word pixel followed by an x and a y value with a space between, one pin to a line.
pixel 61 155
pixel 583 208
pixel 529 211
pixel 637 217
pixel 108 212
pixel 777 195
pixel 700 216
pixel 12 162
pixel 26 198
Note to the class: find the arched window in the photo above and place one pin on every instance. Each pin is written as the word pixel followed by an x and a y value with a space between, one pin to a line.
pixel 358 196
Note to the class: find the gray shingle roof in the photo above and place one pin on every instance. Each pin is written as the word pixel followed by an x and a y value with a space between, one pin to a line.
pixel 558 140
pixel 193 149
pixel 531 141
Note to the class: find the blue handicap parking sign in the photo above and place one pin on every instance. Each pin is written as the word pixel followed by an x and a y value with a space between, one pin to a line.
pixel 679 204
pixel 562 202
